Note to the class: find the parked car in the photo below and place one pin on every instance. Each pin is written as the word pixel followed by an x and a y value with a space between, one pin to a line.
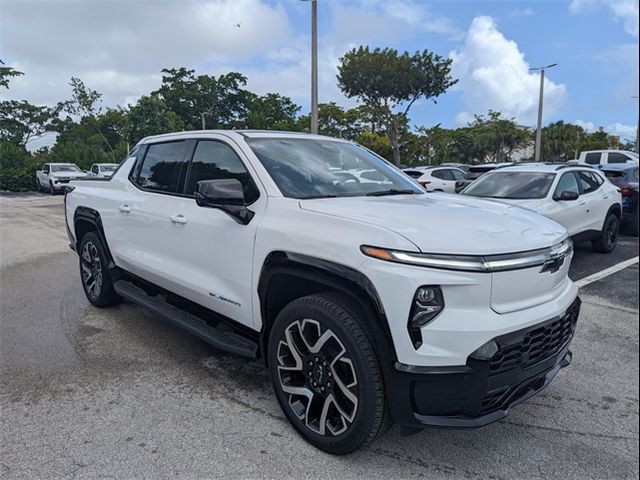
pixel 460 166
pixel 369 303
pixel 604 157
pixel 476 172
pixel 625 177
pixel 441 179
pixel 579 198
pixel 54 177
pixel 104 170
pixel 414 172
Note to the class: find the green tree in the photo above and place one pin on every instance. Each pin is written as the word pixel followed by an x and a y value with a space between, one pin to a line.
pixel 389 83
pixel 497 138
pixel 270 112
pixel 21 121
pixel 561 141
pixel 87 104
pixel 150 116
pixel 6 74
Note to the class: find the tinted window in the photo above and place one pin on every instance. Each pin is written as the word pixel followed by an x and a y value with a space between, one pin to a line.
pixel 614 157
pixel 46 169
pixel 310 168
pixel 215 160
pixel 568 183
pixel 413 173
pixel 514 185
pixel 161 167
pixel 457 174
pixel 593 158
pixel 588 182
pixel 616 176
pixel 70 167
pixel 443 174
pixel 94 169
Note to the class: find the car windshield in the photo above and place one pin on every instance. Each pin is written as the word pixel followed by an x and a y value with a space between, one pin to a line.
pixel 65 168
pixel 512 185
pixel 315 168
pixel 474 173
pixel 108 168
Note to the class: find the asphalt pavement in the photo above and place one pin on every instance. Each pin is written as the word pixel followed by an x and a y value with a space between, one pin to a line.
pixel 116 393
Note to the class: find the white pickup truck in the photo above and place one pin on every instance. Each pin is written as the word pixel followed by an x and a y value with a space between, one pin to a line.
pixel 370 302
pixel 604 157
pixel 54 177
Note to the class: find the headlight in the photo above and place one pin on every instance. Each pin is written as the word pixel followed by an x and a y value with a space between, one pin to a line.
pixel 475 263
pixel 427 304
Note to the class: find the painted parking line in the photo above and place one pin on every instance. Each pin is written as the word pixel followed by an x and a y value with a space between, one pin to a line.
pixel 606 272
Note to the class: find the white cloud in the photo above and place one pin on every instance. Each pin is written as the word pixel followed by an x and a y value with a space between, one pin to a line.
pixel 494 75
pixel 626 132
pixel 120 47
pixel 522 12
pixel 625 11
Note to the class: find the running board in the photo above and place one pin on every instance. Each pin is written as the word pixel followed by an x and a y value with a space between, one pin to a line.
pixel 228 341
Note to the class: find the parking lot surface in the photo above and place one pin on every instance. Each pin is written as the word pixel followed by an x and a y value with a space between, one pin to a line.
pixel 116 393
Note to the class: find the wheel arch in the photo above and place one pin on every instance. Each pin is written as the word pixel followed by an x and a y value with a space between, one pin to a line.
pixel 616 210
pixel 87 220
pixel 287 276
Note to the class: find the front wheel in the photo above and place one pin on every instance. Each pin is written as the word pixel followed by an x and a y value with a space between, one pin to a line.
pixel 94 272
pixel 608 238
pixel 326 374
pixel 52 190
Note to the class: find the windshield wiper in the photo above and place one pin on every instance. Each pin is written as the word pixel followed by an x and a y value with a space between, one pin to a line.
pixel 392 191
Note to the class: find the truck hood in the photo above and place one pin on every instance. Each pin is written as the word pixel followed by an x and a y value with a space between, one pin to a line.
pixel 450 224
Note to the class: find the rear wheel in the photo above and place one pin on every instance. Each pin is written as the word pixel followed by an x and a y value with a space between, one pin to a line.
pixel 608 238
pixel 326 375
pixel 94 272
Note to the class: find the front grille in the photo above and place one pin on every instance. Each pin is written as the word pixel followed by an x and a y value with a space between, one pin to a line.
pixel 535 345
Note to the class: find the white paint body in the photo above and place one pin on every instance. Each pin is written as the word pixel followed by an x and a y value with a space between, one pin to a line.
pixel 209 252
pixel 604 157
pixel 102 170
pixel 58 180
pixel 441 179
pixel 586 214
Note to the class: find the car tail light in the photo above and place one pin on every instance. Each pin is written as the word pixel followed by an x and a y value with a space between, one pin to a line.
pixel 626 191
pixel 459 184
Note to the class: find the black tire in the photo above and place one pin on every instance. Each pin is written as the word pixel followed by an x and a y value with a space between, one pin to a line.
pixel 344 368
pixel 52 190
pixel 94 272
pixel 38 186
pixel 608 238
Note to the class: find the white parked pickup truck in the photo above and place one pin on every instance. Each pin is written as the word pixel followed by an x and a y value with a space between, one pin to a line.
pixel 54 177
pixel 604 157
pixel 370 302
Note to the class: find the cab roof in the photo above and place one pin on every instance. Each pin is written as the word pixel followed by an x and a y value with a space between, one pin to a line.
pixel 236 134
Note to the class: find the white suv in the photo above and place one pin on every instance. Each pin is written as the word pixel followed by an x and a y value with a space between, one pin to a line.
pixel 369 302
pixel 580 198
pixel 441 179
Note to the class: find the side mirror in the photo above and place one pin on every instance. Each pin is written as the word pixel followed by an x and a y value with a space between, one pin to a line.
pixel 567 196
pixel 224 194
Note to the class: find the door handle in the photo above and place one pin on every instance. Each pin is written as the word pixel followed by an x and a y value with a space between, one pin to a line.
pixel 178 219
pixel 124 208
pixel 583 203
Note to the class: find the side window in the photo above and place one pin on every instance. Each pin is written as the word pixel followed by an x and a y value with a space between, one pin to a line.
pixel 94 169
pixel 598 178
pixel 458 174
pixel 437 174
pixel 588 182
pixel 46 169
pixel 161 167
pixel 215 160
pixel 568 183
pixel 615 157
pixel 447 175
pixel 593 158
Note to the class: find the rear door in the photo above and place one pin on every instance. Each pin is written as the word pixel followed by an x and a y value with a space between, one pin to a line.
pixel 593 198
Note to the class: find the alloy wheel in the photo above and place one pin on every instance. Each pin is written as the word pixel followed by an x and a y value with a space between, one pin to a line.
pixel 91 270
pixel 612 234
pixel 317 374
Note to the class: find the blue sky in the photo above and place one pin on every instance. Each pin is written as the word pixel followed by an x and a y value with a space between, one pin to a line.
pixel 119 47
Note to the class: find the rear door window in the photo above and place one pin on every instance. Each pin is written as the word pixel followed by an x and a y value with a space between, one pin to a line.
pixel 593 158
pixel 588 182
pixel 615 157
pixel 162 167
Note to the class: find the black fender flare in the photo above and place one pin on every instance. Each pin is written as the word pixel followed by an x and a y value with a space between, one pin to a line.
pixel 91 216
pixel 336 277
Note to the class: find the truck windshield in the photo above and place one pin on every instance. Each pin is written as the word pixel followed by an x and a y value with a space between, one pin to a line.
pixel 108 168
pixel 512 185
pixel 310 168
pixel 65 168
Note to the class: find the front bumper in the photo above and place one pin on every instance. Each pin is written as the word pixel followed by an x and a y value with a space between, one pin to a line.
pixel 483 390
